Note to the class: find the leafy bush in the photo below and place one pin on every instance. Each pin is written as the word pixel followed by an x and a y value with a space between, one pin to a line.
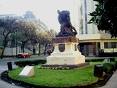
pixel 108 67
pixel 112 59
pixel 29 62
pixel 116 64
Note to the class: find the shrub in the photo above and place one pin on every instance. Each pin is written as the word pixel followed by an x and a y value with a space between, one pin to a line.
pixel 116 64
pixel 29 62
pixel 112 59
pixel 108 68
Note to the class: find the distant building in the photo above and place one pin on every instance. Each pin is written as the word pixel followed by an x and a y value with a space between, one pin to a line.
pixel 29 15
pixel 92 41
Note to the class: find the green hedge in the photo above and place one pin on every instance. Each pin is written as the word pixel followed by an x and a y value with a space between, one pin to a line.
pixel 98 60
pixel 94 60
pixel 29 62
pixel 108 68
pixel 116 64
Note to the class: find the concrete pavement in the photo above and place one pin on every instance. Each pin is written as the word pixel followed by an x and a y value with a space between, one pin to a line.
pixel 4 84
pixel 112 82
pixel 7 85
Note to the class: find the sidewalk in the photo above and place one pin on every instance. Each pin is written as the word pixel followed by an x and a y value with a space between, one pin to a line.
pixel 112 82
pixel 4 84
pixel 7 85
pixel 3 67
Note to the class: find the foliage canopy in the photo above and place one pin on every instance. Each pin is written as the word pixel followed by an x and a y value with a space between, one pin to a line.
pixel 105 16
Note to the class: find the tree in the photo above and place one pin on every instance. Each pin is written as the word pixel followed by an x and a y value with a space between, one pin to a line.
pixel 48 41
pixel 45 37
pixel 26 32
pixel 7 26
pixel 105 16
pixel 21 30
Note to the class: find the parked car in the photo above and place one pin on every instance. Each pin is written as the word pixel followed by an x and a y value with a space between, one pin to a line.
pixel 23 55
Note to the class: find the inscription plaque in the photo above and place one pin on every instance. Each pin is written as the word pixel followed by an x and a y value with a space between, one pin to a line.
pixel 61 47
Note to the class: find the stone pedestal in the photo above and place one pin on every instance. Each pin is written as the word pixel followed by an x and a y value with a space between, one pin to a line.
pixel 65 52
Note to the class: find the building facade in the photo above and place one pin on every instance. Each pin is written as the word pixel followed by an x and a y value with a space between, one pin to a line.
pixel 92 41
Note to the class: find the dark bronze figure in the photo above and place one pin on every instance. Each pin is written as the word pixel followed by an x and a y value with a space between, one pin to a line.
pixel 66 28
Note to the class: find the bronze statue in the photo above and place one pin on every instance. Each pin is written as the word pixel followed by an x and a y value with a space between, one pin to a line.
pixel 66 27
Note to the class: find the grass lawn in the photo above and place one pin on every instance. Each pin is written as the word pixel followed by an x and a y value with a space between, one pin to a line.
pixel 98 62
pixel 58 78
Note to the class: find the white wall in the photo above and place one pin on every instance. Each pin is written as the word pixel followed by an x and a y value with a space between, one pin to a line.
pixel 90 7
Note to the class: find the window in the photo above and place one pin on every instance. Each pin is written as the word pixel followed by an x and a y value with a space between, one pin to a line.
pixel 114 44
pixel 106 45
pixel 110 45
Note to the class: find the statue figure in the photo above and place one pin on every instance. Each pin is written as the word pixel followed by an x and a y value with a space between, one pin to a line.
pixel 66 28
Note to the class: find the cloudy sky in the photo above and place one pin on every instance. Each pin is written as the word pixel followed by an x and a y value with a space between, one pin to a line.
pixel 45 10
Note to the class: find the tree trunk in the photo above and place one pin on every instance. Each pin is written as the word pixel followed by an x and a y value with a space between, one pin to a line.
pixel 2 54
pixel 34 50
pixel 45 49
pixel 4 46
pixel 5 41
pixel 22 46
pixel 39 49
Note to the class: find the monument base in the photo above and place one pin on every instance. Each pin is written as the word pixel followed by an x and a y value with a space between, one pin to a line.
pixel 65 52
pixel 63 67
pixel 73 58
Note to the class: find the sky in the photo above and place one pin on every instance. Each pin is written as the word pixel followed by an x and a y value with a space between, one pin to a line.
pixel 45 10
